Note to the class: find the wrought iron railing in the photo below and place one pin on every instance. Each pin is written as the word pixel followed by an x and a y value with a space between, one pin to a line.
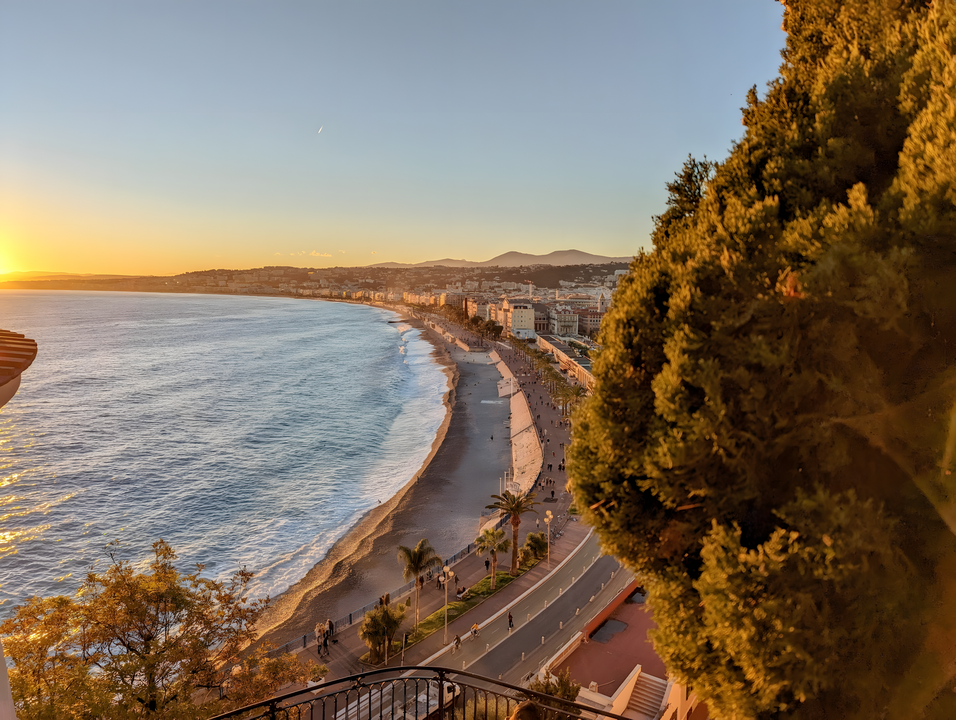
pixel 414 693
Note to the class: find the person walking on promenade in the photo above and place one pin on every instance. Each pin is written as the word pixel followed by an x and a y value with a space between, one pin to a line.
pixel 319 635
pixel 325 643
pixel 511 621
pixel 487 565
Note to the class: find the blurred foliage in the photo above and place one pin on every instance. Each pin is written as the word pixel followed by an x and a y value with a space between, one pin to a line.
pixel 770 442
pixel 560 685
pixel 131 644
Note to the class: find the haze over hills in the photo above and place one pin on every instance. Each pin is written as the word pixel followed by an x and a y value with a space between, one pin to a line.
pixel 513 259
pixel 517 259
pixel 43 275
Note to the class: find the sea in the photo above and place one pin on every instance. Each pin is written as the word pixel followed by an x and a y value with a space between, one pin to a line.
pixel 245 431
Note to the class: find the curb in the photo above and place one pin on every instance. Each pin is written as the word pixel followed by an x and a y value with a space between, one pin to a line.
pixel 518 599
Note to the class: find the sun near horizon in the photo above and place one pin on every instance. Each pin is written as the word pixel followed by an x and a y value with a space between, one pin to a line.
pixel 121 158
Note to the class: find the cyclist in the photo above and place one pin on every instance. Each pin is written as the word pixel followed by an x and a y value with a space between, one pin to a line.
pixel 457 643
pixel 475 630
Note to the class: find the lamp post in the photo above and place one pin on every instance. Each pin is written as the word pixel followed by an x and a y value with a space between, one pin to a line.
pixel 548 517
pixel 449 574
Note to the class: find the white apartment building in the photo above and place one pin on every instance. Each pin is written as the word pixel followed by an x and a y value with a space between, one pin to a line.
pixel 519 318
pixel 564 321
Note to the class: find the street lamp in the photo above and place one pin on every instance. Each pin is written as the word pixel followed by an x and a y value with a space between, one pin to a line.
pixel 548 517
pixel 449 574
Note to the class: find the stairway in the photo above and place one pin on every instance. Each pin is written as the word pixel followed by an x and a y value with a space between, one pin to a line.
pixel 648 695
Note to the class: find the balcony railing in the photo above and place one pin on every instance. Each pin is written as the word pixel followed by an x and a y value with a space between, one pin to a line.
pixel 414 693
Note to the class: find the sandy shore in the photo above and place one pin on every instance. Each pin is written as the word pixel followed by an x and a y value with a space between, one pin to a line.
pixel 442 502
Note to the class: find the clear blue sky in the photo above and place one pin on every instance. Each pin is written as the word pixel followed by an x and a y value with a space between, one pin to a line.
pixel 170 136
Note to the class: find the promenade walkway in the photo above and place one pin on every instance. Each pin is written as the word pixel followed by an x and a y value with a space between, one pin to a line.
pixel 343 656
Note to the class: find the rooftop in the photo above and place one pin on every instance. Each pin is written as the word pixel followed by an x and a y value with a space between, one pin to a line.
pixel 616 647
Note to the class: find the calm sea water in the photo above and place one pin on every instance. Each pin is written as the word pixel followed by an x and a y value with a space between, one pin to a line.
pixel 244 431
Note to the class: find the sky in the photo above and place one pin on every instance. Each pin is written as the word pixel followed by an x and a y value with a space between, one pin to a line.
pixel 165 137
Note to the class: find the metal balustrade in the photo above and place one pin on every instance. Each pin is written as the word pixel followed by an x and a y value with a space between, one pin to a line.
pixel 414 693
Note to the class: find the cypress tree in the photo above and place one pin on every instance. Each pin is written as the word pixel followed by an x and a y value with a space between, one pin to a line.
pixel 772 432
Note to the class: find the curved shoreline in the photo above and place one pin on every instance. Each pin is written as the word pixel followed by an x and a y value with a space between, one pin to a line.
pixel 300 607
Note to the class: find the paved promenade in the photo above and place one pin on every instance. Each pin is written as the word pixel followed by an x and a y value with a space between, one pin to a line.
pixel 588 571
pixel 343 657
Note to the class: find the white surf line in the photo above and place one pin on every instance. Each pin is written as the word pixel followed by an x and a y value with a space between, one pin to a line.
pixel 521 597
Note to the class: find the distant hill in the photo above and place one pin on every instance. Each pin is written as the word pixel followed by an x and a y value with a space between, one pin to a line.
pixel 516 259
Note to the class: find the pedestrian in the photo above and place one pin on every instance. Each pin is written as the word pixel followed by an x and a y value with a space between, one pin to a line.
pixel 552 494
pixel 487 565
pixel 325 644
pixel 537 523
pixel 511 621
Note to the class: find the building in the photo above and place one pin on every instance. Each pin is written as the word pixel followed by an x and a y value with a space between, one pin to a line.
pixel 563 320
pixel 477 307
pixel 618 669
pixel 518 318
pixel 571 363
pixel 541 322
pixel 589 321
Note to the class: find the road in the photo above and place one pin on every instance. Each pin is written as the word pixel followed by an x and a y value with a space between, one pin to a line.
pixel 565 598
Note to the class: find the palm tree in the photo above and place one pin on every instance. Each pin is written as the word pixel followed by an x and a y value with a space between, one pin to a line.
pixel 417 560
pixel 515 506
pixel 378 628
pixel 493 541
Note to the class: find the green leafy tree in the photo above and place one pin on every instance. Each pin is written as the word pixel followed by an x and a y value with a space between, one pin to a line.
pixel 415 561
pixel 492 542
pixel 536 544
pixel 515 506
pixel 157 643
pixel 768 443
pixel 558 685
pixel 378 630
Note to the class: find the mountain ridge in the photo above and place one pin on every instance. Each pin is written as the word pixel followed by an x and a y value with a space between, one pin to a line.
pixel 514 258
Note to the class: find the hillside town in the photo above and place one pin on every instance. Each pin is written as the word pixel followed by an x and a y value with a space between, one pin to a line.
pixel 560 305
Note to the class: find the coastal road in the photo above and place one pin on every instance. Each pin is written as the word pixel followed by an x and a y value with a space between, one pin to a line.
pixel 523 653
pixel 540 612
